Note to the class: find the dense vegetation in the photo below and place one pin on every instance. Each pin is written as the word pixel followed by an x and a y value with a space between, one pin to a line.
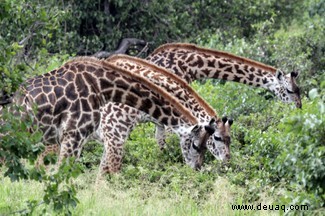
pixel 278 152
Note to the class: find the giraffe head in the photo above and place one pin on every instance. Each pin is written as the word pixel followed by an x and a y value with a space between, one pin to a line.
pixel 288 90
pixel 219 143
pixel 214 136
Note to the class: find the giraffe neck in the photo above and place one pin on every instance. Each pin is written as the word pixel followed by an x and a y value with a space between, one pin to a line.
pixel 194 63
pixel 108 83
pixel 162 77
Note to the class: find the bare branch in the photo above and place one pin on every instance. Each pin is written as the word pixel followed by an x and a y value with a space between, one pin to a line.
pixel 145 49
pixel 26 39
pixel 125 44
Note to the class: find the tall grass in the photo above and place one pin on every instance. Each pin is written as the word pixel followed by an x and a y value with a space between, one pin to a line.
pixel 113 197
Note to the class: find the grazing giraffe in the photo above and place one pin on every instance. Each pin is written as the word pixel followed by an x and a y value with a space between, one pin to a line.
pixel 69 100
pixel 110 128
pixel 191 63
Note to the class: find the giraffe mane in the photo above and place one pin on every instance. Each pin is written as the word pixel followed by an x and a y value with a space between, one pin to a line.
pixel 159 90
pixel 223 54
pixel 171 75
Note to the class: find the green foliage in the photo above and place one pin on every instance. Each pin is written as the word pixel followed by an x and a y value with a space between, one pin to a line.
pixel 144 147
pixel 25 39
pixel 88 26
pixel 302 159
pixel 282 148
pixel 17 145
pixel 224 98
pixel 17 142
pixel 91 155
pixel 60 191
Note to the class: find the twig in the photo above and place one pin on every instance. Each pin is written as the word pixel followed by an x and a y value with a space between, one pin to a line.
pixel 24 210
pixel 122 48
pixel 144 49
pixel 28 63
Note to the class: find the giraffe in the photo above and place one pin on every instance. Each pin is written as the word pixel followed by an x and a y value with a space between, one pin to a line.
pixel 69 100
pixel 191 62
pixel 110 131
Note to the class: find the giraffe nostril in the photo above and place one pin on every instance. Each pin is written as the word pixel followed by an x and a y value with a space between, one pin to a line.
pixel 227 156
pixel 298 105
pixel 197 166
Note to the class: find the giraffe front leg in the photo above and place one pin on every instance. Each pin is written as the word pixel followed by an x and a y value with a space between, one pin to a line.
pixel 112 158
pixel 111 161
pixel 160 135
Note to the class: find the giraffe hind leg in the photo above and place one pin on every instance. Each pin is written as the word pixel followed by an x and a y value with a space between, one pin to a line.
pixel 160 135
pixel 71 145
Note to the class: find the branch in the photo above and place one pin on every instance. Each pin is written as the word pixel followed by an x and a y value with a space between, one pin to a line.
pixel 123 47
pixel 145 49
pixel 6 100
pixel 26 39
pixel 32 33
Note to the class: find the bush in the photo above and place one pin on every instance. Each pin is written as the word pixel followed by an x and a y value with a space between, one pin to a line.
pixel 302 158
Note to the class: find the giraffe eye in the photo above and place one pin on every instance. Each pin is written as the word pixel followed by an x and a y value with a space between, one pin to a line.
pixel 217 138
pixel 289 91
pixel 196 148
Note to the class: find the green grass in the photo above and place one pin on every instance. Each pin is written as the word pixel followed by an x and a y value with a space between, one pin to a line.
pixel 120 196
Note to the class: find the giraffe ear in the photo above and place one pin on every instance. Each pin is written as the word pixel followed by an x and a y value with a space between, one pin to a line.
pixel 212 121
pixel 210 130
pixel 224 119
pixel 196 129
pixel 230 121
pixel 279 75
pixel 294 74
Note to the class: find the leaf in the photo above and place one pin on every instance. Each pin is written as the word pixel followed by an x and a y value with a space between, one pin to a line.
pixel 313 93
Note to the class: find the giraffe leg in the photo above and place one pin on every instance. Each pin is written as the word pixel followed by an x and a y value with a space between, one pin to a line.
pixel 112 158
pixel 160 136
pixel 160 133
pixel 114 134
pixel 71 145
pixel 111 161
